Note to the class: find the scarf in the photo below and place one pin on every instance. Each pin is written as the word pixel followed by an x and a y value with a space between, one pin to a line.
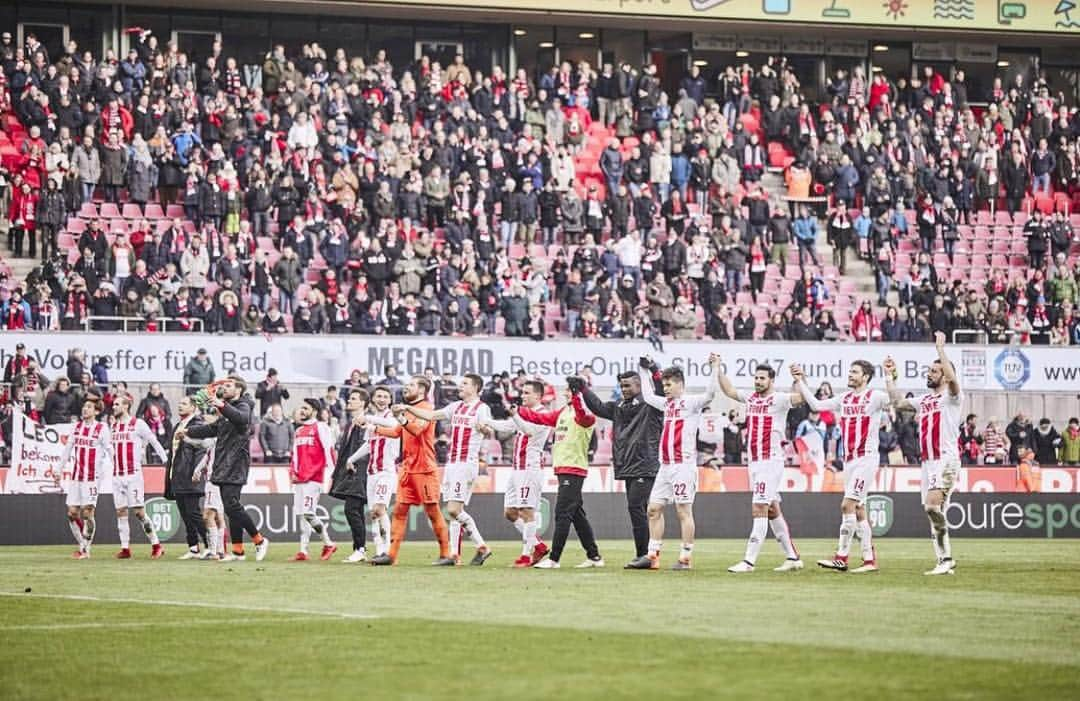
pixel 76 305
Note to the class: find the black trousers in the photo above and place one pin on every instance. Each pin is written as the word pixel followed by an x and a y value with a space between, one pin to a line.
pixel 354 514
pixel 239 521
pixel 194 527
pixel 570 510
pixel 638 490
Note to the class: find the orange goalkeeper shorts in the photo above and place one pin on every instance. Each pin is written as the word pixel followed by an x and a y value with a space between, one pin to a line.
pixel 418 488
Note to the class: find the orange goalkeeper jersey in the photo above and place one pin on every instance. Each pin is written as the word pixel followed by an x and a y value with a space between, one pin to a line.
pixel 417 442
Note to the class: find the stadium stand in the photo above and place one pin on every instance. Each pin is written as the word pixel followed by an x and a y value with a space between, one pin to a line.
pixel 423 199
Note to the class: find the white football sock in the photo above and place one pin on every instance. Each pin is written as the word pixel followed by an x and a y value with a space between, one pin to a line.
pixel 529 537
pixel 377 535
pixel 847 532
pixel 939 534
pixel 783 536
pixel 212 536
pixel 468 525
pixel 686 551
pixel 654 547
pixel 866 535
pixel 222 533
pixel 384 526
pixel 305 535
pixel 123 526
pixel 77 532
pixel 148 528
pixel 455 538
pixel 89 529
pixel 519 524
pixel 757 537
pixel 319 527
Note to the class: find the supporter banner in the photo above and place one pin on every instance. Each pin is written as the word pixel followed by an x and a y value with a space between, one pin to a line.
pixel 986 15
pixel 36 453
pixel 274 479
pixel 148 358
pixel 898 515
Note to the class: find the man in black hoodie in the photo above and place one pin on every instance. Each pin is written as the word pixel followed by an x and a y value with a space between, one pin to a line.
pixel 635 440
pixel 232 459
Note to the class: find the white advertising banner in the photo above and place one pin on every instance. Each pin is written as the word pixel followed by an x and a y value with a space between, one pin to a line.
pixel 36 453
pixel 146 358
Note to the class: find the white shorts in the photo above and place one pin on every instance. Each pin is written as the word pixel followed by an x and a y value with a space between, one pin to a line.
pixel 306 497
pixel 128 491
pixel 457 482
pixel 858 476
pixel 939 474
pixel 765 477
pixel 675 484
pixel 381 487
pixel 523 489
pixel 213 499
pixel 82 493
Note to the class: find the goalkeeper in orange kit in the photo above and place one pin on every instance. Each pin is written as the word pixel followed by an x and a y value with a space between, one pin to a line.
pixel 418 478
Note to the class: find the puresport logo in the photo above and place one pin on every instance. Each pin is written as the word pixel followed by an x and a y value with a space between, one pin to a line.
pixel 1051 520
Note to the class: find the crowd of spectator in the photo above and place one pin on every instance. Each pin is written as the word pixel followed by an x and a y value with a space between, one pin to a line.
pixel 343 194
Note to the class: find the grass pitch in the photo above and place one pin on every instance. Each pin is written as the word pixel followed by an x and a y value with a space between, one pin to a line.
pixel 1006 626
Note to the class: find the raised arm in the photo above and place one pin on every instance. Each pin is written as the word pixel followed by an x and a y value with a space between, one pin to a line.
pixel 724 383
pixel 815 404
pixel 648 389
pixel 582 417
pixel 895 395
pixel 605 410
pixel 241 418
pixel 947 370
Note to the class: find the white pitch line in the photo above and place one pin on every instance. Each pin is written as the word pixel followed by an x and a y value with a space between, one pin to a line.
pixel 143 624
pixel 191 604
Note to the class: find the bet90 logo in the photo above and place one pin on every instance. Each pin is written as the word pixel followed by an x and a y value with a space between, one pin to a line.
pixel 164 515
pixel 879 511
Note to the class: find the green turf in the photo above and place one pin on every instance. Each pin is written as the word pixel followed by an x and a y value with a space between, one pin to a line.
pixel 1007 626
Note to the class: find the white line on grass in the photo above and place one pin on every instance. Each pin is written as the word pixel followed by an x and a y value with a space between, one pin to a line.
pixel 191 604
pixel 144 624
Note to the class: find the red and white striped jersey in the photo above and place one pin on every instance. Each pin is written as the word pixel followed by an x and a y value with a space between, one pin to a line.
pixel 682 417
pixel 938 414
pixel 529 442
pixel 465 439
pixel 90 445
pixel 313 452
pixel 383 451
pixel 860 421
pixel 766 422
pixel 129 440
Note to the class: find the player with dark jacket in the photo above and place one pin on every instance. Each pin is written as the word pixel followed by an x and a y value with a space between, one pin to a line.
pixel 635 441
pixel 232 459
pixel 350 483
pixel 180 485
